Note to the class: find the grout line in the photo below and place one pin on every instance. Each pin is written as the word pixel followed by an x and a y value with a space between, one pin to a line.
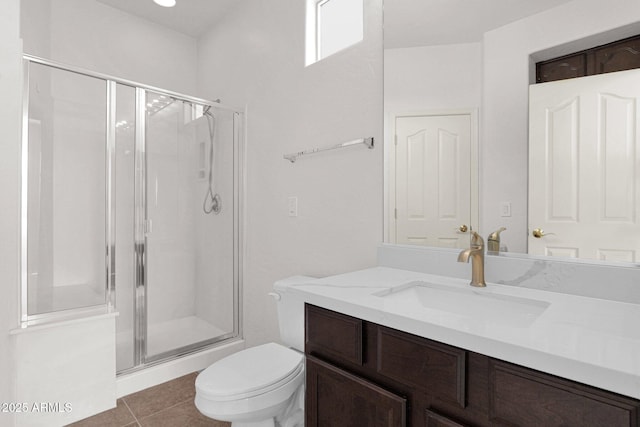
pixel 138 421
pixel 130 411
pixel 166 409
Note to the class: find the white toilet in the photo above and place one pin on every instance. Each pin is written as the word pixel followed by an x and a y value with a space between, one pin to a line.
pixel 261 386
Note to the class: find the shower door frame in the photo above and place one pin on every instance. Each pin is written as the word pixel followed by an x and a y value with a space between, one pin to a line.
pixel 141 360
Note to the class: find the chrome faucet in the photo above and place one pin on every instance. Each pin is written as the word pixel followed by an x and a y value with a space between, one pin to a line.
pixel 476 253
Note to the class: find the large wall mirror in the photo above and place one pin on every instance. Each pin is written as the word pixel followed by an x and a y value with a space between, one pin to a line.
pixel 459 151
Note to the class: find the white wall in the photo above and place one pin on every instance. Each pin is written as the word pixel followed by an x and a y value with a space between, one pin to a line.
pixel 97 37
pixel 10 119
pixel 418 79
pixel 256 59
pixel 506 76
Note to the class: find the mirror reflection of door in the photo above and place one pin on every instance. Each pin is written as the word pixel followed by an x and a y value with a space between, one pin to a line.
pixel 584 154
pixel 431 180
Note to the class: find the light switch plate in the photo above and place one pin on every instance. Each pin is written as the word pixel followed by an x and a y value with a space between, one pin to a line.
pixel 505 209
pixel 292 205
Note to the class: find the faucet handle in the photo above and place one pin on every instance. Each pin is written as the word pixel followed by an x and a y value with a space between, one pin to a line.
pixel 496 234
pixel 494 241
pixel 477 240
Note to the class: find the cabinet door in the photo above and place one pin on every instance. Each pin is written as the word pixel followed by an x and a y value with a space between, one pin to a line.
pixel 436 420
pixel 437 369
pixel 335 398
pixel 333 336
pixel 527 398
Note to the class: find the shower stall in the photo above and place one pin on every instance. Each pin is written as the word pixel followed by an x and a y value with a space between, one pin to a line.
pixel 130 203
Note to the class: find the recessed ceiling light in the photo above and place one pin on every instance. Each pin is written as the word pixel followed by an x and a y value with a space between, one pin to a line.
pixel 165 3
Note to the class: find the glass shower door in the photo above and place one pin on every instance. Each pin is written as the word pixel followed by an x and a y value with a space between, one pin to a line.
pixel 189 253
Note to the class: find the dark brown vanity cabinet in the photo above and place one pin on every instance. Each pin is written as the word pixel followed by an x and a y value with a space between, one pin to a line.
pixel 338 398
pixel 361 374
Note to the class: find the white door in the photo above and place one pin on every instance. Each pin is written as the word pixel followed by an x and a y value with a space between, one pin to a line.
pixel 584 182
pixel 432 180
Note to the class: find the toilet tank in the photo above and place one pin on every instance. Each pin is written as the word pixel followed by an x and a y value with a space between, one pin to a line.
pixel 290 311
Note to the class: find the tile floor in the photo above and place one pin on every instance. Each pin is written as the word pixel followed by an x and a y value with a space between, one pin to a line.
pixel 165 405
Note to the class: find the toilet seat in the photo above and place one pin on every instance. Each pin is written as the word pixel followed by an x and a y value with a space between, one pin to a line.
pixel 249 373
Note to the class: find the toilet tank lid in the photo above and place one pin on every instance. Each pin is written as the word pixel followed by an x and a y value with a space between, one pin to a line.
pixel 284 284
pixel 249 370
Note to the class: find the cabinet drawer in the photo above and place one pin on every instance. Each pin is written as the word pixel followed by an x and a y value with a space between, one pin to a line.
pixel 524 397
pixel 333 335
pixel 438 369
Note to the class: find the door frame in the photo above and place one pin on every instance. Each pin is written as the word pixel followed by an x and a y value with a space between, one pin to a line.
pixel 389 219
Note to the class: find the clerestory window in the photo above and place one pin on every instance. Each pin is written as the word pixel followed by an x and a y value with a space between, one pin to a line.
pixel 332 25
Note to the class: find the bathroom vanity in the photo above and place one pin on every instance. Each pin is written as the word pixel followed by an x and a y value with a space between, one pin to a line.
pixel 362 373
pixel 394 347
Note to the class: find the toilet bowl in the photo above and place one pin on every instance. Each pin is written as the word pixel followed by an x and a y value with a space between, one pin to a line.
pixel 261 386
pixel 254 387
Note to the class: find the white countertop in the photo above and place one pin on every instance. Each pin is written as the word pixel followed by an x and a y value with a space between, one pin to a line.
pixel 589 340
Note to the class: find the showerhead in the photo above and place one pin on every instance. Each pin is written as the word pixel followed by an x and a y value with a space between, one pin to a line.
pixel 211 203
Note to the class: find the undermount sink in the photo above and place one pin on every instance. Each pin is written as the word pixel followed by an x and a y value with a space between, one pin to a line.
pixel 481 305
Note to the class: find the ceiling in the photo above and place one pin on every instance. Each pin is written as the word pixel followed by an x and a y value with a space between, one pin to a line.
pixel 191 17
pixel 410 23
pixel 407 23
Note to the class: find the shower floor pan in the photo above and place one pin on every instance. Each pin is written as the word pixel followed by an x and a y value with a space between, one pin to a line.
pixel 166 336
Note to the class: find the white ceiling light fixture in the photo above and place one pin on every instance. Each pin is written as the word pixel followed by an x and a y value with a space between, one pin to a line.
pixel 165 3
